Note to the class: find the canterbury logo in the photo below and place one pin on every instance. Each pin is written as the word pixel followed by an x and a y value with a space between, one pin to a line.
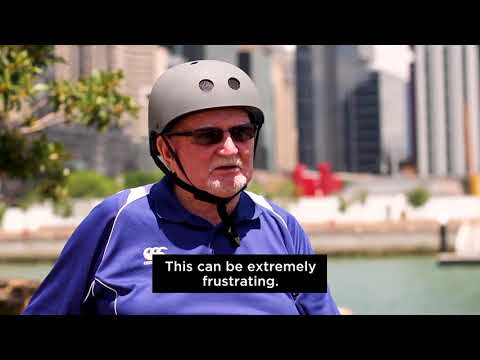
pixel 150 251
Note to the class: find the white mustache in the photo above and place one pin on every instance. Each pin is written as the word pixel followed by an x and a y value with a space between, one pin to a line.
pixel 226 162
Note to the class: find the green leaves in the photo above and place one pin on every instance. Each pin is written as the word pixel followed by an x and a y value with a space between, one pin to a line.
pixel 133 179
pixel 89 184
pixel 418 197
pixel 26 158
pixel 93 101
pixel 39 166
pixel 19 66
pixel 32 168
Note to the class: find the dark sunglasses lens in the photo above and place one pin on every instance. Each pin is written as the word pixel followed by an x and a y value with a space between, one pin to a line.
pixel 208 136
pixel 243 133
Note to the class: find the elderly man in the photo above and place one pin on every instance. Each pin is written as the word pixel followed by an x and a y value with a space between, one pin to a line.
pixel 204 122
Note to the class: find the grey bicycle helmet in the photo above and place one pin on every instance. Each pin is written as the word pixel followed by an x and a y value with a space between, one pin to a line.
pixel 201 85
pixel 196 86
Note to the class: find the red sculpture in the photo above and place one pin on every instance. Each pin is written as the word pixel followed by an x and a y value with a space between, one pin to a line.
pixel 321 183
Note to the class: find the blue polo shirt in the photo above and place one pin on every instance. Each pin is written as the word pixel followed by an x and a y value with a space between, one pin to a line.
pixel 105 266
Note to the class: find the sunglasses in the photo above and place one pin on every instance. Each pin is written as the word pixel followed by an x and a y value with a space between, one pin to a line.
pixel 213 135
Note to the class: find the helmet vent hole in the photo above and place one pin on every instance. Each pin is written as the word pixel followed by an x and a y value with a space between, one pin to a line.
pixel 206 85
pixel 193 63
pixel 234 83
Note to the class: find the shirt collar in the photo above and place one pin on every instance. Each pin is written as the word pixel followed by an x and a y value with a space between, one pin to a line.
pixel 167 206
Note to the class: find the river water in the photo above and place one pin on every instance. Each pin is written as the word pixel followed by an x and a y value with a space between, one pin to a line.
pixel 404 285
pixel 371 285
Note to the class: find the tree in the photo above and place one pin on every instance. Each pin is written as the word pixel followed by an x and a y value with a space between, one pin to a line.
pixel 418 197
pixel 32 168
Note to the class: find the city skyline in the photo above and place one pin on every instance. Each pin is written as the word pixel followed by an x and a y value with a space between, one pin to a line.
pixel 273 68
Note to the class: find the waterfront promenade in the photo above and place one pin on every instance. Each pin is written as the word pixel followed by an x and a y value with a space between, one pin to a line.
pixel 381 238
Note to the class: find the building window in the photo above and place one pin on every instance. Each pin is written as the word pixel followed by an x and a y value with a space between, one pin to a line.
pixel 194 52
pixel 244 62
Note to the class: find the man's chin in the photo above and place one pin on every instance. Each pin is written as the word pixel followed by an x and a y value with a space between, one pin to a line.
pixel 223 194
pixel 226 188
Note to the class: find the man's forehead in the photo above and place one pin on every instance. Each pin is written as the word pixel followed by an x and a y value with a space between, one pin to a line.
pixel 214 117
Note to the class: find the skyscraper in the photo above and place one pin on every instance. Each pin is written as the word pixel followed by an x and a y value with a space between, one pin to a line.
pixel 376 124
pixel 446 118
pixel 349 113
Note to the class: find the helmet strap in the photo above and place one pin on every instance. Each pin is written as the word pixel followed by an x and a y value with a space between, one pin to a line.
pixel 257 135
pixel 175 157
pixel 221 203
pixel 230 230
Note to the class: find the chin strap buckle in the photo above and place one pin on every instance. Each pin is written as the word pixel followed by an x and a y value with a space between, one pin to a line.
pixel 232 235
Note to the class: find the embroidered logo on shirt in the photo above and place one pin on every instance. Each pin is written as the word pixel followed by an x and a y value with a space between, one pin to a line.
pixel 150 251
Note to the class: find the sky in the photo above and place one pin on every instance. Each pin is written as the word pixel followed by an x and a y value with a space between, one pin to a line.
pixel 394 59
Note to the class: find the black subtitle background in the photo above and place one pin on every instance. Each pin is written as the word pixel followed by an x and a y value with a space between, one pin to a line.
pixel 164 281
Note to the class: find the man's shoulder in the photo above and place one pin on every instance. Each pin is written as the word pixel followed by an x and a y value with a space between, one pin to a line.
pixel 273 209
pixel 112 205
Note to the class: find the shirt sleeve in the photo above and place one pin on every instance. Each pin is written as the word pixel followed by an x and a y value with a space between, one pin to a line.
pixel 309 303
pixel 66 286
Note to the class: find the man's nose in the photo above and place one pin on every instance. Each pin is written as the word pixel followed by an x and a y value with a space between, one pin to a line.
pixel 228 147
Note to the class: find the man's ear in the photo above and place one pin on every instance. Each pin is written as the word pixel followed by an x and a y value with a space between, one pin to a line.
pixel 163 149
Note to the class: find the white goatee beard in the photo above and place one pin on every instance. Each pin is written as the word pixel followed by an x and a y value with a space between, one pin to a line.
pixel 218 188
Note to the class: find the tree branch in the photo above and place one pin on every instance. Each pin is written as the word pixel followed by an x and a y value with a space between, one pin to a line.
pixel 15 119
pixel 41 104
pixel 44 122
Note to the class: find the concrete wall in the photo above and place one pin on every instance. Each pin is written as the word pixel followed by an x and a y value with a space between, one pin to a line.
pixel 386 207
pixel 306 210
